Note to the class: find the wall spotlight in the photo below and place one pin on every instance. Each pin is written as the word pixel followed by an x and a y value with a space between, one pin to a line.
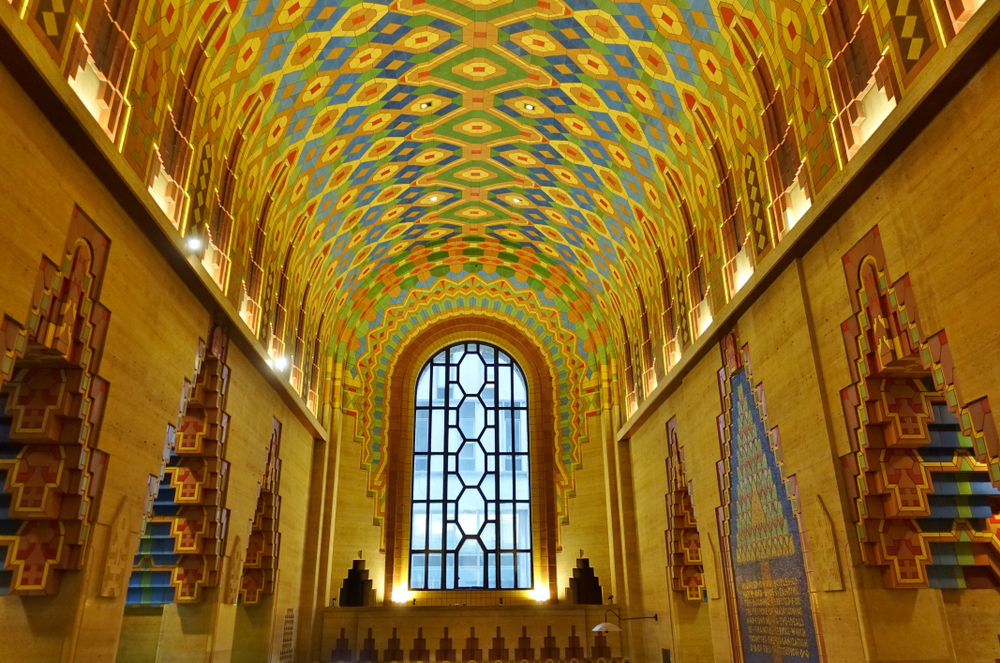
pixel 540 594
pixel 400 595
pixel 193 244
pixel 280 363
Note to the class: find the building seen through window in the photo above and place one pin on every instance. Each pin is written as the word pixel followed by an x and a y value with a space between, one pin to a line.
pixel 471 513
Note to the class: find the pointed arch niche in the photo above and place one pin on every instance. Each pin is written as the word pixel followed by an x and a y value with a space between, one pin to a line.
pixel 923 475
pixel 399 422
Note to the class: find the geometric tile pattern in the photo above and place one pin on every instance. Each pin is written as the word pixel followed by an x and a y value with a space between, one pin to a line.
pixel 683 540
pixel 772 613
pixel 260 571
pixel 408 145
pixel 924 472
pixel 51 470
pixel 182 545
pixel 756 209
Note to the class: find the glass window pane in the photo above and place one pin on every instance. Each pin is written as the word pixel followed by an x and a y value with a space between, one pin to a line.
pixel 455 439
pixel 489 486
pixel 506 479
pixel 507 571
pixel 503 384
pixel 437 384
pixel 437 430
pixel 506 430
pixel 449 571
pixel 523 491
pixel 520 430
pixel 524 570
pixel 520 390
pixel 420 477
pixel 454 486
pixel 421 428
pixel 470 565
pixel 434 571
pixel 437 477
pixel 488 439
pixel 471 373
pixel 417 571
pixel 507 526
pixel 436 527
pixel 523 526
pixel 489 536
pixel 424 388
pixel 418 536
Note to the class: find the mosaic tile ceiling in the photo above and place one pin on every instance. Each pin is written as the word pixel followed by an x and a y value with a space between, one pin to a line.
pixel 536 154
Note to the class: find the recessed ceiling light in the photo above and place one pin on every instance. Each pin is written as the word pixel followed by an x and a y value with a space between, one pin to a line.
pixel 434 199
pixel 517 201
pixel 530 106
pixel 425 105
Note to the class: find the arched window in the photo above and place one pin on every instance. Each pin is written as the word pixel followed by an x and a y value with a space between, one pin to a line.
pixel 646 346
pixel 631 399
pixel 471 506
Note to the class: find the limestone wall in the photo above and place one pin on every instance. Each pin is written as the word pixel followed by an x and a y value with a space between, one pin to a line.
pixel 152 340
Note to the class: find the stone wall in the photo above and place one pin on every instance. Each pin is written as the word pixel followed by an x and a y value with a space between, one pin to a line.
pixel 152 341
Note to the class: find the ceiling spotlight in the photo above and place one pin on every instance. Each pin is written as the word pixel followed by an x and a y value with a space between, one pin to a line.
pixel 517 201
pixel 434 199
pixel 425 105
pixel 530 106
pixel 193 244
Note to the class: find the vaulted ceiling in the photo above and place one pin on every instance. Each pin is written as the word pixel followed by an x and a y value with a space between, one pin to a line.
pixel 529 158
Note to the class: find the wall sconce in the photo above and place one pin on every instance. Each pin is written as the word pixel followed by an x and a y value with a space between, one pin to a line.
pixel 704 316
pixel 798 204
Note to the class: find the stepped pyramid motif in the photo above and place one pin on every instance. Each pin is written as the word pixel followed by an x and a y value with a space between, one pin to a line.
pixel 761 528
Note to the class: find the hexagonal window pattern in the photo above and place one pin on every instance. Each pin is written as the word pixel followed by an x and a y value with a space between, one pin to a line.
pixel 471 511
pixel 471 463
pixel 471 417
pixel 471 468
pixel 471 374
